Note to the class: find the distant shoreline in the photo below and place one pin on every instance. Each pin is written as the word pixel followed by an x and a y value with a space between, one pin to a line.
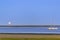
pixel 31 33
pixel 29 25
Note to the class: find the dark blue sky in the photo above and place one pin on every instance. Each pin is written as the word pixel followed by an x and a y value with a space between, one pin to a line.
pixel 30 11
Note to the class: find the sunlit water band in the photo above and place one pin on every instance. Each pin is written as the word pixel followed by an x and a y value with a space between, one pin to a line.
pixel 29 30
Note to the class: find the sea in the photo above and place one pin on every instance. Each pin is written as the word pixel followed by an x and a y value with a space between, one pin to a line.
pixel 29 30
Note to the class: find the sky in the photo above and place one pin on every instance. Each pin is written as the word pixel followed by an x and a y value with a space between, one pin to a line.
pixel 30 11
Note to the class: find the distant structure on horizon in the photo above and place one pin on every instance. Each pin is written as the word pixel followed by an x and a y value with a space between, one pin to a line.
pixel 9 23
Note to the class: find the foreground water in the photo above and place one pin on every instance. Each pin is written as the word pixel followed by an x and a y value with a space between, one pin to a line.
pixel 28 30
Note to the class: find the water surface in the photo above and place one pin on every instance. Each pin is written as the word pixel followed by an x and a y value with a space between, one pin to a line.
pixel 28 30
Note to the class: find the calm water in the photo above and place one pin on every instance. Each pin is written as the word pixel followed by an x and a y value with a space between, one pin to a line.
pixel 28 30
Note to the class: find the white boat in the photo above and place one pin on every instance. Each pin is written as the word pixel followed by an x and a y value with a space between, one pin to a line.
pixel 52 28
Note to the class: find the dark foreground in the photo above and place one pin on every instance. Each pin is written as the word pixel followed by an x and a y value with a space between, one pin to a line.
pixel 28 37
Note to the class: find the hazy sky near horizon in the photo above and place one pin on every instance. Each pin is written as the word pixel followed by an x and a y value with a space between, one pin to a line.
pixel 30 11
